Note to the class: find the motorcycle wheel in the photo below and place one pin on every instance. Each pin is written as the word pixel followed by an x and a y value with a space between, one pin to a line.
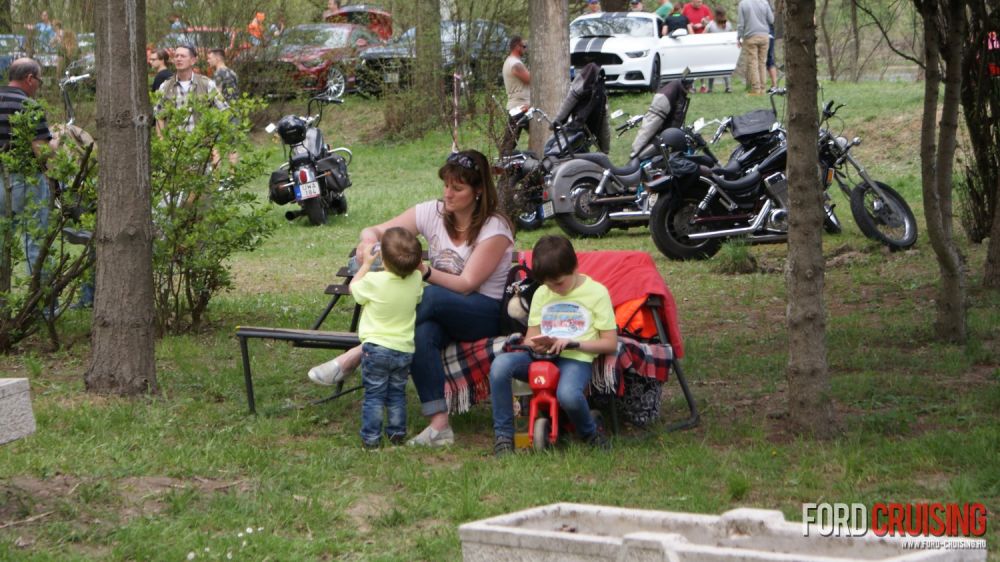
pixel 586 220
pixel 888 220
pixel 315 210
pixel 669 225
pixel 515 200
pixel 336 82
pixel 540 439
pixel 338 205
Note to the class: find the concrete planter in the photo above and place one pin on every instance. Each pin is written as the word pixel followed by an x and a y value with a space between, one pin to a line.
pixel 16 418
pixel 567 531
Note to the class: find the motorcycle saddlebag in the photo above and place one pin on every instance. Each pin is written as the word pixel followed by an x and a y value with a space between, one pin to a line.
pixel 751 124
pixel 278 189
pixel 338 180
pixel 682 173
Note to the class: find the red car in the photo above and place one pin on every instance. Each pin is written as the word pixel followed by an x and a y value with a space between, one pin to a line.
pixel 379 21
pixel 321 56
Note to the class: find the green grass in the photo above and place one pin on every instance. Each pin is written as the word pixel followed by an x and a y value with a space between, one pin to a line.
pixel 190 472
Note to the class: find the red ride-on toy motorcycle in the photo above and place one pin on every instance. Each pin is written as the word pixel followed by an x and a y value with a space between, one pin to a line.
pixel 543 409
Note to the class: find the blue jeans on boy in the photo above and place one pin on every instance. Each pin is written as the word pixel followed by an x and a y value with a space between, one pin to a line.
pixel 383 374
pixel 24 194
pixel 444 316
pixel 574 378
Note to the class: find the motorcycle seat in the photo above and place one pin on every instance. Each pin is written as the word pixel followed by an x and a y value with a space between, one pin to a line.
pixel 739 185
pixel 603 161
pixel 730 170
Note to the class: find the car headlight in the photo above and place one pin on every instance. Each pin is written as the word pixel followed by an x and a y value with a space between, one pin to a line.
pixel 637 54
pixel 312 63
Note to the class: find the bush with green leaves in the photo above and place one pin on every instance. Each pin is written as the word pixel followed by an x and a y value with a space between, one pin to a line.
pixel 30 301
pixel 201 216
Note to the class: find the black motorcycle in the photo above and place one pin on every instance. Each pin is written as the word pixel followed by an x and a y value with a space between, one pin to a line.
pixel 702 207
pixel 522 174
pixel 315 175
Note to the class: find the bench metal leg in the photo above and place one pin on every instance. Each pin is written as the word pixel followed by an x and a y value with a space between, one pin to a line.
pixel 694 418
pixel 247 377
pixel 326 312
pixel 337 393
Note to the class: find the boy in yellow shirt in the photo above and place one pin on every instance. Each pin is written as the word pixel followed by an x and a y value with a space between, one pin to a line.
pixel 569 307
pixel 390 300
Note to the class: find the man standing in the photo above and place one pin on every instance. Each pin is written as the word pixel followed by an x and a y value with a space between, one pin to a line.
pixel 517 82
pixel 44 32
pixel 752 32
pixel 698 14
pixel 593 6
pixel 158 59
pixel 185 83
pixel 224 77
pixel 29 190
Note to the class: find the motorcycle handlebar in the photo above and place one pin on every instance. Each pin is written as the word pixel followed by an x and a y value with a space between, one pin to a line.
pixel 73 79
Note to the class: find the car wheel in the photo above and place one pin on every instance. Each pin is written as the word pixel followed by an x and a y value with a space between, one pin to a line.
pixel 336 82
pixel 654 75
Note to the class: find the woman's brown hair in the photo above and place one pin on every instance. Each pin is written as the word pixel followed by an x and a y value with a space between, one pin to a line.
pixel 471 168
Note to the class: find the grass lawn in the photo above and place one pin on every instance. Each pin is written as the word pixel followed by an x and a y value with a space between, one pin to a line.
pixel 189 473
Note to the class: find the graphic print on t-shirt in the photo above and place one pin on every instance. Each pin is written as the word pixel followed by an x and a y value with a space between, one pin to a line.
pixel 449 261
pixel 565 320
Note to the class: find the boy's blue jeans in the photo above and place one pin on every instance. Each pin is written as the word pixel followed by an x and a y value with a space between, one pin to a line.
pixel 383 374
pixel 574 378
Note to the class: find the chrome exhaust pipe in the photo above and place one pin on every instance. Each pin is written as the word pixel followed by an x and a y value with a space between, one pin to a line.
pixel 761 217
pixel 613 200
pixel 629 216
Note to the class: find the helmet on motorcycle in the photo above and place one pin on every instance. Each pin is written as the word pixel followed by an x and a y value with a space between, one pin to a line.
pixel 674 138
pixel 292 129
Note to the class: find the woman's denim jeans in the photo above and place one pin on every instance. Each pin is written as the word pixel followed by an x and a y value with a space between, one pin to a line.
pixel 444 316
pixel 28 196
pixel 574 378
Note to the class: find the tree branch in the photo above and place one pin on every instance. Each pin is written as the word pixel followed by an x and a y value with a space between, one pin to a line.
pixel 885 34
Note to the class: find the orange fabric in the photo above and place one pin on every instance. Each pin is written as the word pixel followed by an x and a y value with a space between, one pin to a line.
pixel 633 317
pixel 255 27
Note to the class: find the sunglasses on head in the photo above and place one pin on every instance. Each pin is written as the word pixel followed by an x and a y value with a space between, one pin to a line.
pixel 462 160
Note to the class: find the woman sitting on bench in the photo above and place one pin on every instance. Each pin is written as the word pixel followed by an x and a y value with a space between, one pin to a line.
pixel 470 245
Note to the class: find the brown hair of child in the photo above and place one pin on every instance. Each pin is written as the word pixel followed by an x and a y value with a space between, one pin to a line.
pixel 553 257
pixel 401 251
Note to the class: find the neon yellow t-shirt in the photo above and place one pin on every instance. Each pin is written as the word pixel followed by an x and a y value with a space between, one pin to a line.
pixel 580 315
pixel 390 308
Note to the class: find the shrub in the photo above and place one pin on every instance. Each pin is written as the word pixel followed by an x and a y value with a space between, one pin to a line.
pixel 200 214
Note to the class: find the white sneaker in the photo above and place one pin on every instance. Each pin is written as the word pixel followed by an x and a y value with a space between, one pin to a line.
pixel 327 374
pixel 431 437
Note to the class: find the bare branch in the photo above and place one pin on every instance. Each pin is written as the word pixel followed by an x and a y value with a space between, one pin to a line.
pixel 885 34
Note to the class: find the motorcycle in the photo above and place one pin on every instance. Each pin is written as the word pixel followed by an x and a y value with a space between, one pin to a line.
pixel 315 175
pixel 879 211
pixel 696 213
pixel 589 194
pixel 522 173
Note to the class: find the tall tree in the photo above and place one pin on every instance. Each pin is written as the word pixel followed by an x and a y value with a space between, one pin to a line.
pixel 809 405
pixel 944 33
pixel 548 61
pixel 123 337
pixel 428 78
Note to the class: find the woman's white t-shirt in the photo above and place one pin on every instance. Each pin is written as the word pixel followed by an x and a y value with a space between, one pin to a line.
pixel 446 256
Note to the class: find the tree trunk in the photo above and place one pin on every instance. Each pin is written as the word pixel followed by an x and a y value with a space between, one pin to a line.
pixel 937 156
pixel 549 62
pixel 123 338
pixel 855 40
pixel 991 271
pixel 809 406
pixel 428 76
pixel 831 60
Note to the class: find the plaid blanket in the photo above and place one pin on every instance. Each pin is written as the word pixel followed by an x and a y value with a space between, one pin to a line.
pixel 467 369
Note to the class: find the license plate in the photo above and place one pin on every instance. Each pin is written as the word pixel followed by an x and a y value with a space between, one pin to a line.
pixel 391 77
pixel 308 190
pixel 547 209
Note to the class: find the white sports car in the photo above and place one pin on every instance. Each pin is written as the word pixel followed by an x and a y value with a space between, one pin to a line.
pixel 632 51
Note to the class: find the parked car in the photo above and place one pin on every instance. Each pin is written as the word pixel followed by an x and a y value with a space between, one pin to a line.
pixel 632 51
pixel 11 48
pixel 475 49
pixel 315 57
pixel 379 21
